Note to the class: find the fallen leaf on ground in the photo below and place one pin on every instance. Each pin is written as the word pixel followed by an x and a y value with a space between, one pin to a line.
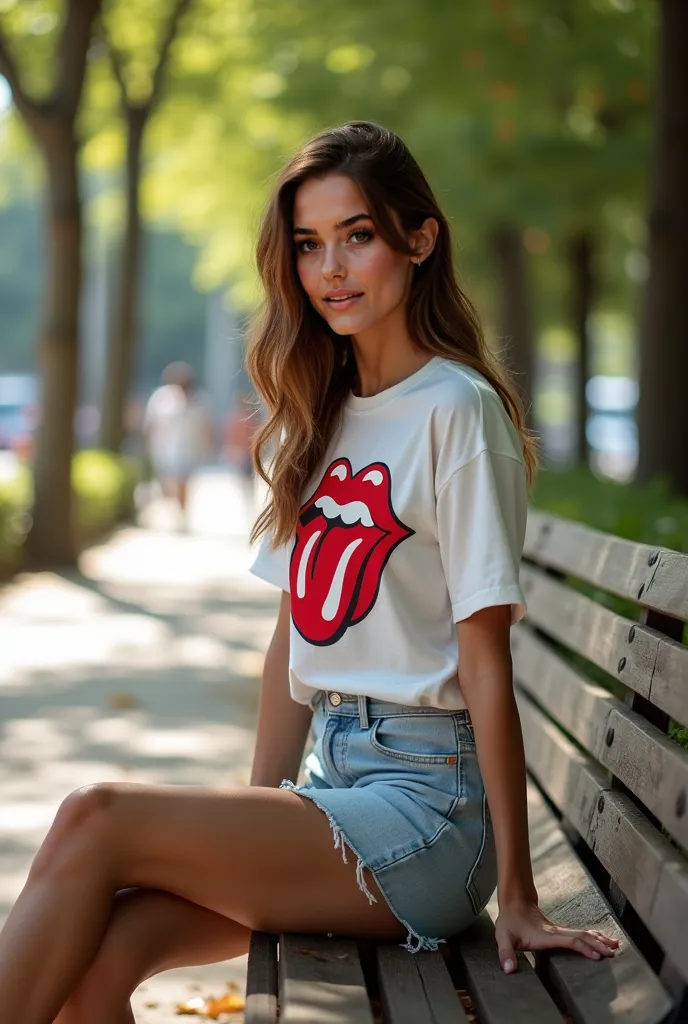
pixel 122 701
pixel 211 1008
pixel 467 1004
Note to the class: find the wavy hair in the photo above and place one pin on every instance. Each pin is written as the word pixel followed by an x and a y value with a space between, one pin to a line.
pixel 302 369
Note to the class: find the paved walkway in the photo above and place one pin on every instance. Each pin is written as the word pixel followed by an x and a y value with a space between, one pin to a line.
pixel 144 666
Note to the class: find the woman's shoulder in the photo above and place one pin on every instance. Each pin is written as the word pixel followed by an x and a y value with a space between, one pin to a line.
pixel 469 416
pixel 464 396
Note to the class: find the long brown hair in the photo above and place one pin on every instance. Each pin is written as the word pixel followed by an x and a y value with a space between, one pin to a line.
pixel 304 370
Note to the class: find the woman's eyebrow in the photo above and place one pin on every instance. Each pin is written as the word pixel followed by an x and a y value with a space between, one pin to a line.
pixel 342 224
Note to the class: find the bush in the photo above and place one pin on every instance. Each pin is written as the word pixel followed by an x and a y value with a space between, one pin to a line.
pixel 15 500
pixel 103 485
pixel 647 514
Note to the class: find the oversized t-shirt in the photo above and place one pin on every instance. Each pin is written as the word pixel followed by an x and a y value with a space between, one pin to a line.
pixel 414 520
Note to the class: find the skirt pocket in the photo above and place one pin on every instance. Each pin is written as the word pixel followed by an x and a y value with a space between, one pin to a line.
pixel 417 739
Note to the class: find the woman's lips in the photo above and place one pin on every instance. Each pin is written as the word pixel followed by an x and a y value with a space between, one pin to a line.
pixel 342 304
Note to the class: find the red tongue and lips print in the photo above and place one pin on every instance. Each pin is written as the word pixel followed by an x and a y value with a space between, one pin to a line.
pixel 346 532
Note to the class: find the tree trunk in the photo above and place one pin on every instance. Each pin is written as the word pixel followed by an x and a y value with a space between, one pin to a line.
pixel 50 540
pixel 51 122
pixel 663 408
pixel 515 316
pixel 582 298
pixel 122 339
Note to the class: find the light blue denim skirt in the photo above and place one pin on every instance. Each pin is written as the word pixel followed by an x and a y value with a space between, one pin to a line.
pixel 401 787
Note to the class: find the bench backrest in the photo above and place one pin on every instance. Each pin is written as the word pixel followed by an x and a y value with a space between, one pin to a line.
pixel 600 684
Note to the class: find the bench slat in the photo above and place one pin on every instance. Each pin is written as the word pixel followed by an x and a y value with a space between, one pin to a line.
pixel 648 762
pixel 416 987
pixel 640 657
pixel 617 565
pixel 499 998
pixel 321 980
pixel 261 980
pixel 443 1001
pixel 650 872
pixel 607 991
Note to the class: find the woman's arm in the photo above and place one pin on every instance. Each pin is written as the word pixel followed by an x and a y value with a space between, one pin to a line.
pixel 485 675
pixel 486 680
pixel 282 723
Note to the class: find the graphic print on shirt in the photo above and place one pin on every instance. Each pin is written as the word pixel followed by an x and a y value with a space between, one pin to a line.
pixel 345 534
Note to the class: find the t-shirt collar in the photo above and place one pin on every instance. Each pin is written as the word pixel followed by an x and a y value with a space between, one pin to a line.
pixel 358 404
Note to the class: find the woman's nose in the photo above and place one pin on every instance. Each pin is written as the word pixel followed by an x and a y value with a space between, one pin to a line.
pixel 333 265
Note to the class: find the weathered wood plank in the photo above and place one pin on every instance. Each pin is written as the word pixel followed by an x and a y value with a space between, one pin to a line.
pixel 443 1001
pixel 622 988
pixel 416 987
pixel 564 691
pixel 653 766
pixel 640 657
pixel 321 982
pixel 650 872
pixel 261 980
pixel 499 998
pixel 653 577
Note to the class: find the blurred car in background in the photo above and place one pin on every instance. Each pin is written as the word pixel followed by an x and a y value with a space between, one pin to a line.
pixel 18 413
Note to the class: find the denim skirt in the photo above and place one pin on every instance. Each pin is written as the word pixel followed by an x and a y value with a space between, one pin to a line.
pixel 402 789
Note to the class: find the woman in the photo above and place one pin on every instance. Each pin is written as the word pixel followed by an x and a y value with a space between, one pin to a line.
pixel 397 509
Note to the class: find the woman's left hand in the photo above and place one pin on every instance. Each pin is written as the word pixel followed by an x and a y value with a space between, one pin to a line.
pixel 524 926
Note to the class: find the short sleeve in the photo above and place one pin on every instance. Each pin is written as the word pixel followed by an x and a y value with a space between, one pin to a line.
pixel 481 521
pixel 272 566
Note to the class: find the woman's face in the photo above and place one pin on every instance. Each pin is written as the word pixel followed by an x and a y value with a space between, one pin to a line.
pixel 353 278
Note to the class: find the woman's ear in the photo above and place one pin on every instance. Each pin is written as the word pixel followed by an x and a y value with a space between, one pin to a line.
pixel 423 240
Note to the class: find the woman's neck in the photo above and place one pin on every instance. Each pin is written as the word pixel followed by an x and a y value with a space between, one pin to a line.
pixel 384 356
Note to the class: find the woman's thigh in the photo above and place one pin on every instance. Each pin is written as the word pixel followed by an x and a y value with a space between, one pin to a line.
pixel 263 857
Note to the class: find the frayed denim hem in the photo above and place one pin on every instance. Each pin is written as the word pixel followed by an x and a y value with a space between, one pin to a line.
pixel 414 942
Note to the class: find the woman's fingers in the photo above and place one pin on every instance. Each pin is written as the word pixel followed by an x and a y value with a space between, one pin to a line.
pixel 588 943
pixel 607 939
pixel 598 945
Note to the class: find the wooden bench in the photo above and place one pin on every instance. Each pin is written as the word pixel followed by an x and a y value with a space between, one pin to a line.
pixel 608 811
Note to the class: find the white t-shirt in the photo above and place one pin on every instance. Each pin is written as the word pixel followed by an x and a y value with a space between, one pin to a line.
pixel 414 521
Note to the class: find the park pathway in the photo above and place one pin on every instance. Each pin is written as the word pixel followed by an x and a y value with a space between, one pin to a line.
pixel 144 666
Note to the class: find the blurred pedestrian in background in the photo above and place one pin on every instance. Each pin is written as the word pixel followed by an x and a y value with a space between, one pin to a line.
pixel 178 431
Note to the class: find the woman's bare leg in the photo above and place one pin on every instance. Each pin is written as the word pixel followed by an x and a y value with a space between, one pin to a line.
pixel 262 857
pixel 149 931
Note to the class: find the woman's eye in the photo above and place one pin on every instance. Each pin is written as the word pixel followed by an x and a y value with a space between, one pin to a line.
pixel 361 235
pixel 305 245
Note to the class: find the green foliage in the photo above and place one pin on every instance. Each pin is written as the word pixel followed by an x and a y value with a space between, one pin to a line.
pixel 33 29
pixel 538 119
pixel 15 499
pixel 103 486
pixel 650 514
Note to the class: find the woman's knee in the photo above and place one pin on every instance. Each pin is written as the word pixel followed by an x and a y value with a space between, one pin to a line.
pixel 78 822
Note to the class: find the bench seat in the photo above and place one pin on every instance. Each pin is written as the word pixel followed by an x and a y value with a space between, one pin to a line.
pixel 599 682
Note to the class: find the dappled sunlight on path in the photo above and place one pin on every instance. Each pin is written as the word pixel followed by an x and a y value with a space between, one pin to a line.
pixel 143 666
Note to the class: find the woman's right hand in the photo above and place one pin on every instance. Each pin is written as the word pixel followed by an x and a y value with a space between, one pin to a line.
pixel 523 926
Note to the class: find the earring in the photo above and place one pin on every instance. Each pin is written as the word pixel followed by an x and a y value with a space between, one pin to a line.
pixel 419 262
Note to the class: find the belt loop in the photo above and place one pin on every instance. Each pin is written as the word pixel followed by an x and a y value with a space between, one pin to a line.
pixel 319 701
pixel 363 712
